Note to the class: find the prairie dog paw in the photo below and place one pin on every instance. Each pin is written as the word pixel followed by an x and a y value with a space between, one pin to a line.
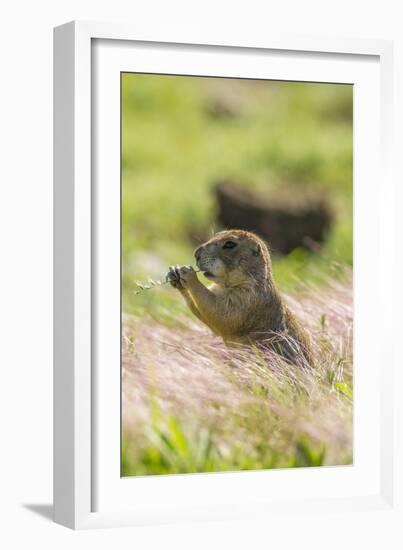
pixel 181 276
pixel 187 275
pixel 173 277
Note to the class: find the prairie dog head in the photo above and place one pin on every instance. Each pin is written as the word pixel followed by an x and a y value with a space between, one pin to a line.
pixel 234 258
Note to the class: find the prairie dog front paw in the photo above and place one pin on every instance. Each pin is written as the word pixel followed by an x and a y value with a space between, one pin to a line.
pixel 181 277
pixel 173 277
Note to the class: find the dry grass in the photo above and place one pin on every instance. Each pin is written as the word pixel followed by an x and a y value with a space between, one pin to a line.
pixel 190 404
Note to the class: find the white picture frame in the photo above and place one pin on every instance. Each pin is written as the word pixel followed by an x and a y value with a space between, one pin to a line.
pixel 87 491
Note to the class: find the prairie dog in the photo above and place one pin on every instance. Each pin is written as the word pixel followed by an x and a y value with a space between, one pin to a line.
pixel 242 305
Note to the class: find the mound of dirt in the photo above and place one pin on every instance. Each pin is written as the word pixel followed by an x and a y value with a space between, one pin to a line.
pixel 285 220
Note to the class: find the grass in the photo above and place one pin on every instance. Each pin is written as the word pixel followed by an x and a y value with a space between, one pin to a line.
pixel 189 404
pixel 192 405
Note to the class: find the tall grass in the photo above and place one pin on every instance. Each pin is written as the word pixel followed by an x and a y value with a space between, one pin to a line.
pixel 192 405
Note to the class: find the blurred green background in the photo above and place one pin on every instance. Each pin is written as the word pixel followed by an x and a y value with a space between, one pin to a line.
pixel 181 134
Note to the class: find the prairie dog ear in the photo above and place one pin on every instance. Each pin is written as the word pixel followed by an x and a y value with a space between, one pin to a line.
pixel 256 249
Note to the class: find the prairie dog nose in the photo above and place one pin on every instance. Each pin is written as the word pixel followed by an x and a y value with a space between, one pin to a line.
pixel 197 253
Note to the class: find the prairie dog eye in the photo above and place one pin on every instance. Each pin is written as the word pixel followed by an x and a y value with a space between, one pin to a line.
pixel 230 244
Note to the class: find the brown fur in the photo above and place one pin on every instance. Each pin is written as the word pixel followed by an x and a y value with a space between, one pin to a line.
pixel 243 304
